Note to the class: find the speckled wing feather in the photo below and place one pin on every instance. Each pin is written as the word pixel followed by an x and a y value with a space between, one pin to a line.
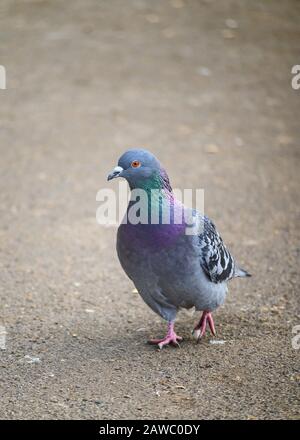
pixel 216 261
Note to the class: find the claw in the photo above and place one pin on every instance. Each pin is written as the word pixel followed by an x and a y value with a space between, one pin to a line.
pixel 170 338
pixel 211 324
pixel 200 328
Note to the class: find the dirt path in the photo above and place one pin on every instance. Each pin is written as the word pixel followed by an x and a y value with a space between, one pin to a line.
pixel 206 85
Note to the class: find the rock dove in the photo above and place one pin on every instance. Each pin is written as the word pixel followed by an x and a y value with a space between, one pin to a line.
pixel 170 268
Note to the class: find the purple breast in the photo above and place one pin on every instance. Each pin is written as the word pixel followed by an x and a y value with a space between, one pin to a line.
pixel 151 237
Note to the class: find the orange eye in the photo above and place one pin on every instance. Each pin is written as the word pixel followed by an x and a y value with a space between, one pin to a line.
pixel 135 164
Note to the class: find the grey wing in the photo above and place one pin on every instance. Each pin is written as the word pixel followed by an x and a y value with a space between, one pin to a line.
pixel 215 259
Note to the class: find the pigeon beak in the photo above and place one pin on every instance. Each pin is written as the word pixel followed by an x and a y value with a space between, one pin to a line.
pixel 115 173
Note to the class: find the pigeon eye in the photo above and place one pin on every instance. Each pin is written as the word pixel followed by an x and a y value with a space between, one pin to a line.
pixel 135 164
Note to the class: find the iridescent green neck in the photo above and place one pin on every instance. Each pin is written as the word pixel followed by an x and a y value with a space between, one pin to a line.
pixel 157 181
pixel 157 198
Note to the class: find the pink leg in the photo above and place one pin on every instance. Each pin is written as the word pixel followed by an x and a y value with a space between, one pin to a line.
pixel 170 338
pixel 200 328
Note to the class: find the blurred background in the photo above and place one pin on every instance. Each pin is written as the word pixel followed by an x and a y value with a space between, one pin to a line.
pixel 206 86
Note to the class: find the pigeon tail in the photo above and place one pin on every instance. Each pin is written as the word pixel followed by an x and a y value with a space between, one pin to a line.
pixel 239 272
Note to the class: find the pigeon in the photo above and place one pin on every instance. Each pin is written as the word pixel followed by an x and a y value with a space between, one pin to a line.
pixel 174 264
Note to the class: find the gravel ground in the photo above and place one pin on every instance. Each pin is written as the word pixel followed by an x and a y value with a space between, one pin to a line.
pixel 206 85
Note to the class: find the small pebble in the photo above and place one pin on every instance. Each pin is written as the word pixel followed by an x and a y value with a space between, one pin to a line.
pixel 232 24
pixel 204 71
pixel 212 148
pixel 228 34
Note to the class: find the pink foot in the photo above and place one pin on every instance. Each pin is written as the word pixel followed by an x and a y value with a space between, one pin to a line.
pixel 200 328
pixel 170 338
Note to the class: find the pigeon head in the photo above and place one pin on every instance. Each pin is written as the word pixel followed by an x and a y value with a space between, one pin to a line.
pixel 141 169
